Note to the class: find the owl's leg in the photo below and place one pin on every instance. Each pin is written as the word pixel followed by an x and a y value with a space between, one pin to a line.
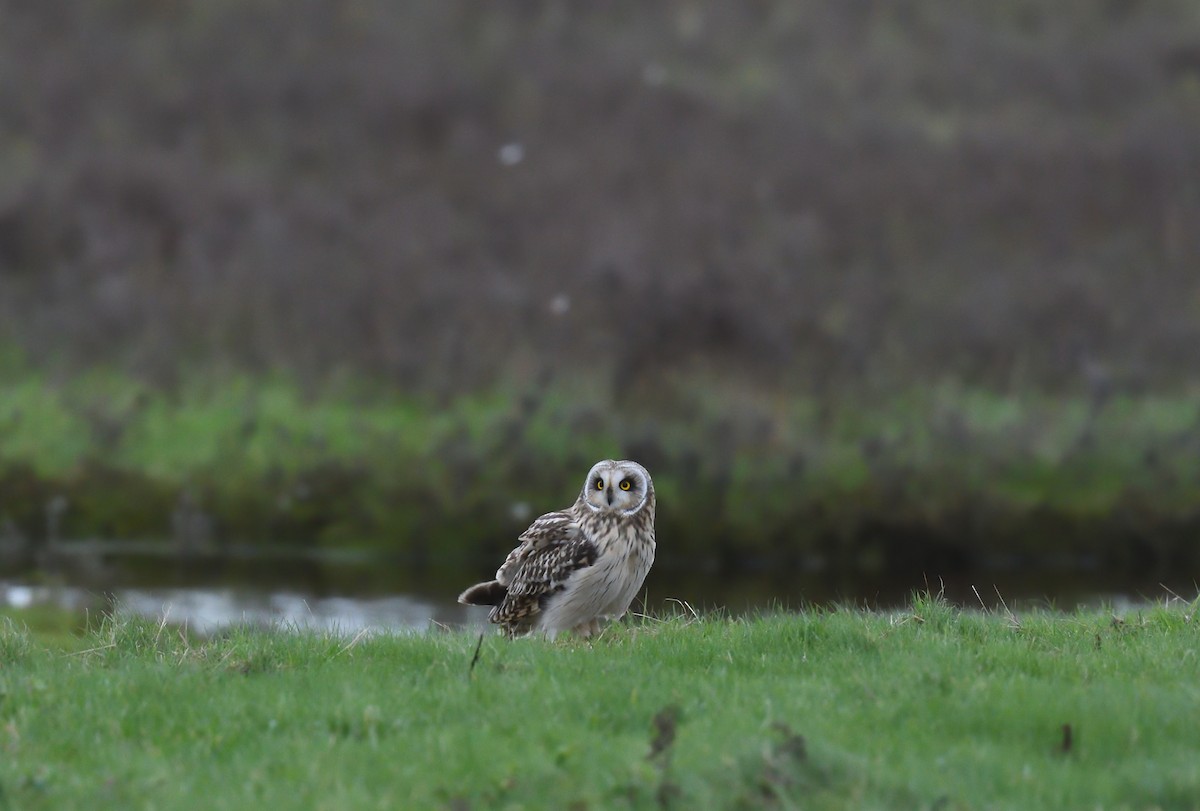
pixel 586 629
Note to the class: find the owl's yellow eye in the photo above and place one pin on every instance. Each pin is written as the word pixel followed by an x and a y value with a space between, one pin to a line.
pixel 599 484
pixel 625 485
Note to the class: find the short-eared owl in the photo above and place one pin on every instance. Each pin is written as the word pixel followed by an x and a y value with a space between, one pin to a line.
pixel 574 567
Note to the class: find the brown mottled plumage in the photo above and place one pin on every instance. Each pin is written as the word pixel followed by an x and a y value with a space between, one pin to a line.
pixel 576 566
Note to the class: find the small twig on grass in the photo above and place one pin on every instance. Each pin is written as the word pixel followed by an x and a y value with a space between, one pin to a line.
pixel 225 657
pixel 162 624
pixel 187 648
pixel 979 597
pixel 1012 618
pixel 92 650
pixel 686 606
pixel 1067 739
pixel 1193 604
pixel 1170 591
pixel 362 632
pixel 475 658
pixel 941 587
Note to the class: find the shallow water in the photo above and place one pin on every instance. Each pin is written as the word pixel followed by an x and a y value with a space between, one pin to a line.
pixel 207 610
pixel 205 602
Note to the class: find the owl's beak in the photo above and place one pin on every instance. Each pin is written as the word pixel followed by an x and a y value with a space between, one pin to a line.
pixel 608 495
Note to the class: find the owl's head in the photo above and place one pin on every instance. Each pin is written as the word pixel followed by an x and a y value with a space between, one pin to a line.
pixel 622 487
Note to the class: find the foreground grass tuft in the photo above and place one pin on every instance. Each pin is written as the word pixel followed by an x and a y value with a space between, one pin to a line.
pixel 931 707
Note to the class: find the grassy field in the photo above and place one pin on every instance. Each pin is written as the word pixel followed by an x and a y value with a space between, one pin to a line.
pixel 931 707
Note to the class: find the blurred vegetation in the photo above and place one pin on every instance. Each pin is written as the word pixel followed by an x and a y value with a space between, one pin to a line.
pixel 882 281
pixel 935 479
pixel 816 193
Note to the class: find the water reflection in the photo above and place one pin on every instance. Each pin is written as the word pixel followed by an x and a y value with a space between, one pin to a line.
pixel 205 611
pixel 205 607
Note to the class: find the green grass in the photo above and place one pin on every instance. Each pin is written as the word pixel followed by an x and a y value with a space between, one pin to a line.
pixel 932 707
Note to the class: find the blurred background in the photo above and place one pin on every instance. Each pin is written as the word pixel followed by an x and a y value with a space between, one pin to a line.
pixel 329 298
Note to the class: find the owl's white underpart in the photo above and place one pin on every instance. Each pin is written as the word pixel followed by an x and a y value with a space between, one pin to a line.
pixel 578 566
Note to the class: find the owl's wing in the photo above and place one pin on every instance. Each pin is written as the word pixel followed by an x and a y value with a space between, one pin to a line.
pixel 551 530
pixel 551 549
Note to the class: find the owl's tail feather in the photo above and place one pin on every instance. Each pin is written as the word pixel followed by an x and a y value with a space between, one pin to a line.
pixel 489 593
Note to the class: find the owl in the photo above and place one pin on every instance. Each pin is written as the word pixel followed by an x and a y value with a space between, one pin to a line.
pixel 577 566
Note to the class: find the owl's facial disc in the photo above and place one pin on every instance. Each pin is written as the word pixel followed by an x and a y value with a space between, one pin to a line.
pixel 616 486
